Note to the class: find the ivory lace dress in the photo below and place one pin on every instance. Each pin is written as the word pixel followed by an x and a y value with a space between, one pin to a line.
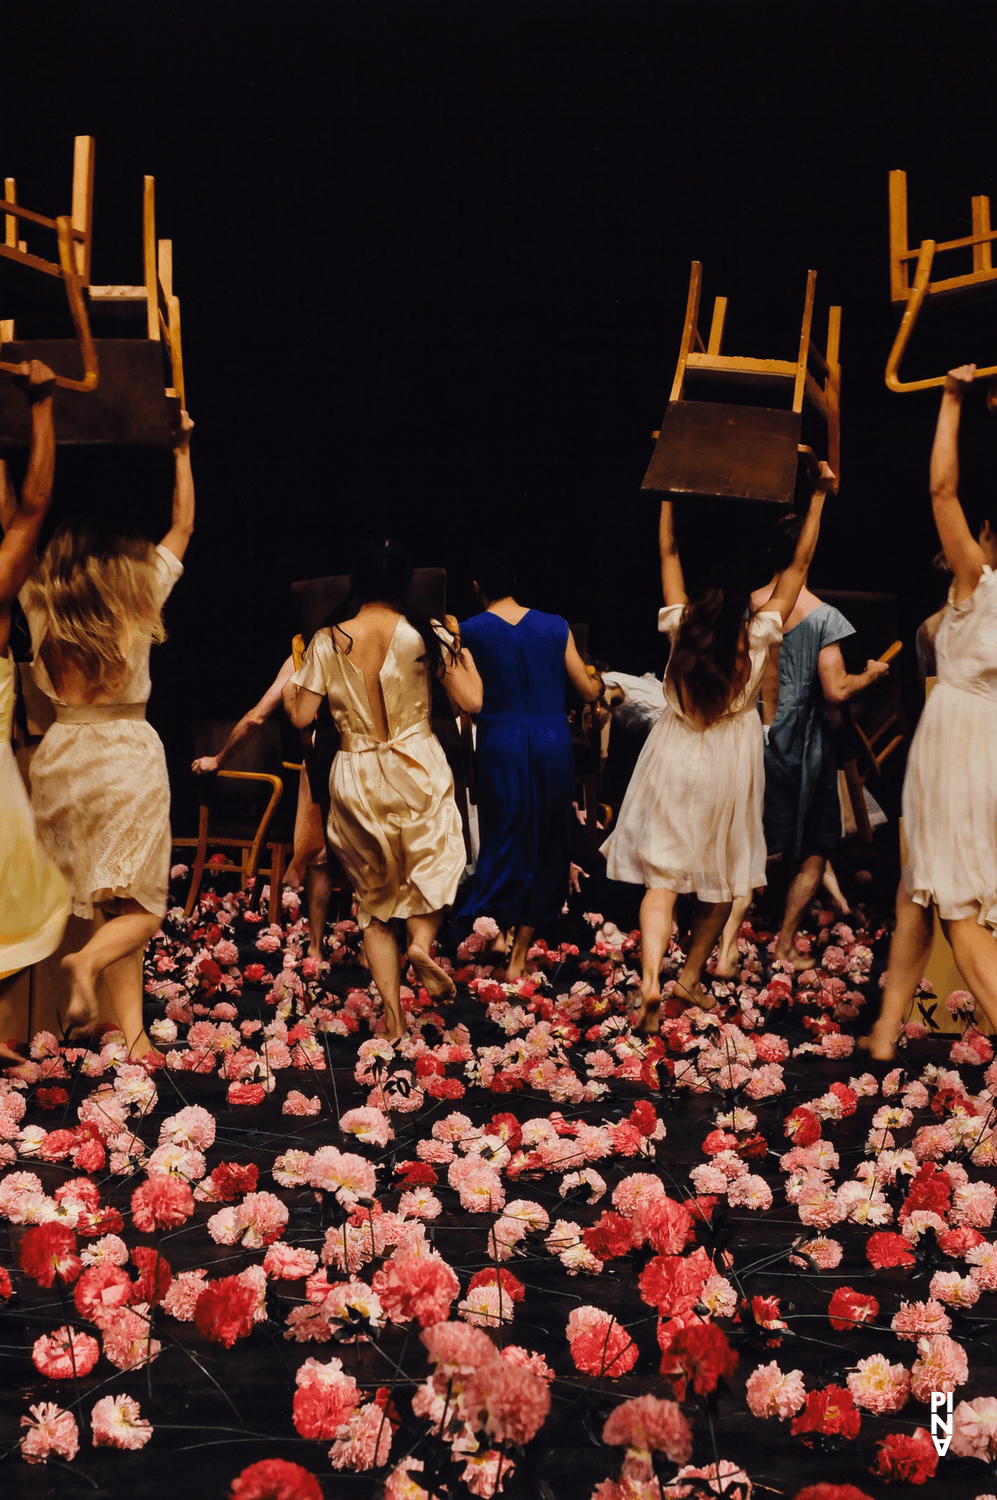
pixel 393 820
pixel 691 819
pixel 950 789
pixel 34 902
pixel 99 786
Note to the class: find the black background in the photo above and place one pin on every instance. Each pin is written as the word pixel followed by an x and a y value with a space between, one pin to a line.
pixel 433 257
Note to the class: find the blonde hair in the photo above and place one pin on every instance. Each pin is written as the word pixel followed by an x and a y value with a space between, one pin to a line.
pixel 96 591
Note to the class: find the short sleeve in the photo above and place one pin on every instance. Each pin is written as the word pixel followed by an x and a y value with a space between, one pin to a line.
pixel 312 675
pixel 765 629
pixel 168 571
pixel 834 628
pixel 670 618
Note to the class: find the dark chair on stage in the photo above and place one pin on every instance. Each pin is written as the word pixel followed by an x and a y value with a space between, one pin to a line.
pixel 874 725
pixel 243 808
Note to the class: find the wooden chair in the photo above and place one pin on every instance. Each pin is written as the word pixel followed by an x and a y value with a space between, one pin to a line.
pixel 125 396
pixel 745 452
pixel 967 286
pixel 237 810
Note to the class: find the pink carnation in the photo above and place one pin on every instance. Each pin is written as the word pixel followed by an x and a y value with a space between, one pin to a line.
pixel 422 1287
pixel 65 1353
pixel 285 1263
pixel 771 1393
pixel 50 1430
pixel 645 1425
pixel 878 1386
pixel 915 1319
pixel 941 1365
pixel 161 1203
pixel 974 1429
pixel 297 1103
pixel 116 1423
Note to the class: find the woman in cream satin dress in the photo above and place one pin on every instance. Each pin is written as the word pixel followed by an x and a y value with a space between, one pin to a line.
pixel 34 902
pixel 393 820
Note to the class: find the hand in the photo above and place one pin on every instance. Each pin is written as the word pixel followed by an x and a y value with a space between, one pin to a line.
pixel 575 877
pixel 825 479
pixel 957 380
pixel 206 765
pixel 36 380
pixel 181 438
pixel 876 669
pixel 453 625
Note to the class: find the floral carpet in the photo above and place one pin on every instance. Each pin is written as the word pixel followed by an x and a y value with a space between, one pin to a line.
pixel 524 1252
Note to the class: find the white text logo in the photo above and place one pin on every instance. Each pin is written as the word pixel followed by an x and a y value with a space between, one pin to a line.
pixel 941 1421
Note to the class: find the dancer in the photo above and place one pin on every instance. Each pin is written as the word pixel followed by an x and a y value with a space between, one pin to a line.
pixel 393 820
pixel 692 816
pixel 802 811
pixel 950 789
pixel 98 779
pixel 309 864
pixel 35 902
pixel 524 761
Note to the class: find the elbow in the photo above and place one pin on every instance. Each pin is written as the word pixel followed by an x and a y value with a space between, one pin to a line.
pixel 472 702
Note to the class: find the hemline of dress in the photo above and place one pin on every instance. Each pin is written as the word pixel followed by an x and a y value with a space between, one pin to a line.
pixel 984 909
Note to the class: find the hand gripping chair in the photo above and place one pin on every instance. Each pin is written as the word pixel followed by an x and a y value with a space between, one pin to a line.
pixel 747 452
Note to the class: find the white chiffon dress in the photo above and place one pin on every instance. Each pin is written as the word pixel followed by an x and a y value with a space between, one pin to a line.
pixel 99 788
pixel 950 789
pixel 691 819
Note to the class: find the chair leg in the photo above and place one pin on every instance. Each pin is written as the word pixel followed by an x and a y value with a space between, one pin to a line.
pixel 276 880
pixel 202 849
pixel 856 796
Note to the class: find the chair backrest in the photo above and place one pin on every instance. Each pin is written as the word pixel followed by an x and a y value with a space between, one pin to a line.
pixel 316 598
pixel 259 753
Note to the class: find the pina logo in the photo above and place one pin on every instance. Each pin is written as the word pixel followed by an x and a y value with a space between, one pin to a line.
pixel 941 1421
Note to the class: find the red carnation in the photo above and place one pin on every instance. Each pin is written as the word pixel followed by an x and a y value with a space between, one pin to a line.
pixel 51 1098
pixel 252 974
pixel 161 1203
pixel 508 1127
pixel 417 1173
pixel 151 1266
pixel 320 1409
pixel 275 1479
pixel 667 1224
pixel 931 1190
pixel 700 1353
pixel 720 1140
pixel 909 1459
pixel 57 1144
pixel 644 1117
pixel 445 1088
pixel 829 1412
pixel 610 1236
pixel 497 1275
pixel 48 1251
pixel 104 1220
pixel 101 1291
pixel 6 1289
pixel 246 1093
pixel 420 1287
pixel 427 1065
pixel 673 1283
pixel 956 1242
pixel 849 1098
pixel 884 1249
pixel 224 1311
pixel 802 1126
pixel 832 1492
pixel 753 1147
pixel 89 1154
pixel 231 1179
pixel 848 1308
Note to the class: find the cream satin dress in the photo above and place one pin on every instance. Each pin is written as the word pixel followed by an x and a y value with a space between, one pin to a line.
pixel 393 819
pixel 34 902
pixel 99 786
pixel 950 788
pixel 691 819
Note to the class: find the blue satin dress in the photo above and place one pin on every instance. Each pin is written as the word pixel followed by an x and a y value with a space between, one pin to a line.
pixel 524 768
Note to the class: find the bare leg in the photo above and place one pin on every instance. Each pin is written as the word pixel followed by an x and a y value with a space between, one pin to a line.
pixel 381 948
pixel 126 930
pixel 835 892
pixel 728 959
pixel 707 925
pixel 910 948
pixel 318 892
pixel 421 934
pixel 123 982
pixel 802 889
pixel 975 953
pixel 655 935
pixel 15 1007
pixel 520 948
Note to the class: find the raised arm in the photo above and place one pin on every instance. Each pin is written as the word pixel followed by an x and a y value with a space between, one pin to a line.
pixel 792 579
pixel 247 725
pixel 585 680
pixel 8 498
pixel 672 582
pixel 460 677
pixel 962 551
pixel 182 529
pixel 300 704
pixel 23 522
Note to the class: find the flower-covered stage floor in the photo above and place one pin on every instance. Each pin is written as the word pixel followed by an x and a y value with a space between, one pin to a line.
pixel 524 1252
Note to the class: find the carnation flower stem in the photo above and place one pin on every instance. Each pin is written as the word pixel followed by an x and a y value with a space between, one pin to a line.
pixel 69 1329
pixel 194 1360
pixel 76 1473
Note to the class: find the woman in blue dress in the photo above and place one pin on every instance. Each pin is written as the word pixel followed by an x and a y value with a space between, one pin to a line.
pixel 524 763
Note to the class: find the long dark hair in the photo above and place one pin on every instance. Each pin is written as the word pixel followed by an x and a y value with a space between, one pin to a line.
pixel 381 574
pixel 704 658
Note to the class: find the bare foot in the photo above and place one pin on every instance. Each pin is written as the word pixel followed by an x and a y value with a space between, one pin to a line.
pixel 878 1045
pixel 697 995
pixel 646 1016
pixel 797 961
pixel 434 980
pixel 728 964
pixel 8 1053
pixel 82 1012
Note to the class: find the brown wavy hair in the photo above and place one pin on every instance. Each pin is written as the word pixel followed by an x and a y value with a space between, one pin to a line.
pixel 97 590
pixel 710 639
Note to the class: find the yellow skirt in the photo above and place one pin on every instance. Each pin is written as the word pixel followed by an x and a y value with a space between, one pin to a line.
pixel 35 901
